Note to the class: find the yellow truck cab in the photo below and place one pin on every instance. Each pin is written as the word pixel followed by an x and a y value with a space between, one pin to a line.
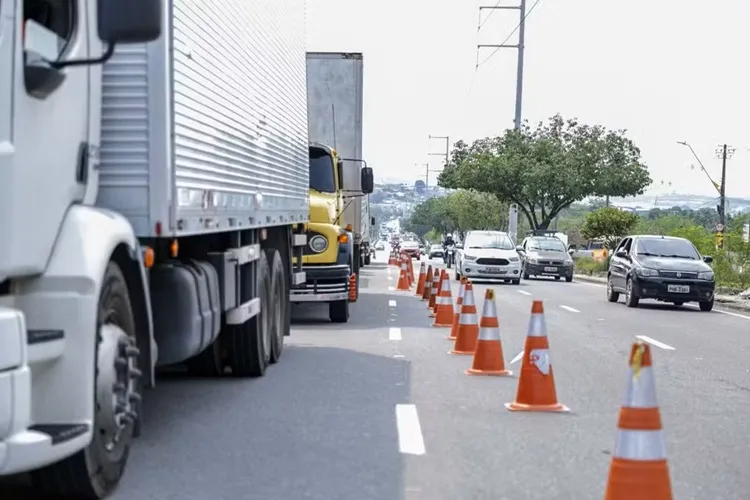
pixel 328 258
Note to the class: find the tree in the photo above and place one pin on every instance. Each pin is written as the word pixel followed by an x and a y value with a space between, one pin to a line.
pixel 434 213
pixel 475 210
pixel 609 224
pixel 548 168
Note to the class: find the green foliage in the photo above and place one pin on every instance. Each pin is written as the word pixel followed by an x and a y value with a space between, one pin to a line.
pixel 546 169
pixel 433 236
pixel 460 211
pixel 608 224
pixel 587 265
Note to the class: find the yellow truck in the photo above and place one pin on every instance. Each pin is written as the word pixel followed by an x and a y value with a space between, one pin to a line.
pixel 339 183
pixel 329 260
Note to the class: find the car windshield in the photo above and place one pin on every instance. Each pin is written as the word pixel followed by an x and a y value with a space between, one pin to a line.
pixel 676 248
pixel 410 244
pixel 489 240
pixel 546 245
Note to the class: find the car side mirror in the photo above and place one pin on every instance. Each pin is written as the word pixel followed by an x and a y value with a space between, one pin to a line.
pixel 571 251
pixel 708 259
pixel 459 246
pixel 129 21
pixel 367 180
pixel 520 249
pixel 621 253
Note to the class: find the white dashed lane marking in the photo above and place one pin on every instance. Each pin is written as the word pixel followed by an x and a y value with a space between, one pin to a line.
pixel 410 440
pixel 655 342
pixel 394 333
pixel 571 309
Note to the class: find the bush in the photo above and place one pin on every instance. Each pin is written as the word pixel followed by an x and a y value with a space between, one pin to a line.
pixel 587 265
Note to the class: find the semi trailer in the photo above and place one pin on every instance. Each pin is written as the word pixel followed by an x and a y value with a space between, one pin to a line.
pixel 153 202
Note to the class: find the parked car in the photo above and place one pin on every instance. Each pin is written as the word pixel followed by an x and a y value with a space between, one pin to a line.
pixel 380 245
pixel 436 251
pixel 546 256
pixel 664 268
pixel 488 255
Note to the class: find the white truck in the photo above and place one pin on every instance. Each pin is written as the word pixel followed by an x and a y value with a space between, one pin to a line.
pixel 335 105
pixel 153 196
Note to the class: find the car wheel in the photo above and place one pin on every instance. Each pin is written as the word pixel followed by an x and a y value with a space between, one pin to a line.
pixel 678 304
pixel 612 296
pixel 706 306
pixel 516 282
pixel 525 274
pixel 631 299
pixel 569 279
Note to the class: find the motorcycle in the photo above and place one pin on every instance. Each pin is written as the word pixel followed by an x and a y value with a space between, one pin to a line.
pixel 450 255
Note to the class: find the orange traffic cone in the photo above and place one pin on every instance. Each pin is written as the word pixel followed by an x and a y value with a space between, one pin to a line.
pixel 457 309
pixel 488 356
pixel 639 464
pixel 443 277
pixel 444 303
pixel 421 280
pixel 434 291
pixel 353 288
pixel 403 280
pixel 468 329
pixel 536 383
pixel 427 284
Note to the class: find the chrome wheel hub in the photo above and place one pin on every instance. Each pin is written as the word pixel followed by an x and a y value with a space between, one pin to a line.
pixel 116 387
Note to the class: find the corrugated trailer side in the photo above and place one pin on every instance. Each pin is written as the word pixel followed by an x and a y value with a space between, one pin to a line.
pixel 205 130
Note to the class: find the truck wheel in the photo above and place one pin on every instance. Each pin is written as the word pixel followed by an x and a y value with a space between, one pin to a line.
pixel 249 345
pixel 278 307
pixel 338 311
pixel 95 471
pixel 209 363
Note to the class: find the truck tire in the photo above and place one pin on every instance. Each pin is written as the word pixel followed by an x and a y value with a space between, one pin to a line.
pixel 209 363
pixel 279 298
pixel 249 345
pixel 94 472
pixel 338 311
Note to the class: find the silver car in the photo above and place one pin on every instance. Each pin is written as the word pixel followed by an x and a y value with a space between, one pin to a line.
pixel 546 256
pixel 489 255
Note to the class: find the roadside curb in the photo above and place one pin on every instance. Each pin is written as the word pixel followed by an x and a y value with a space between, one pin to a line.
pixel 726 301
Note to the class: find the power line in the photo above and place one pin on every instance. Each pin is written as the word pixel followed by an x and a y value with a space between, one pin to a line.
pixel 518 26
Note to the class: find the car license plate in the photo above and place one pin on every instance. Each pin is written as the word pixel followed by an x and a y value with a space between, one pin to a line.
pixel 550 269
pixel 492 270
pixel 678 288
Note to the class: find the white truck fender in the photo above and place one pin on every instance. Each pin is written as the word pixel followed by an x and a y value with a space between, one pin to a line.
pixel 89 238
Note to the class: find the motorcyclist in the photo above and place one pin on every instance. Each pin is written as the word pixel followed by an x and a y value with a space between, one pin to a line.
pixel 448 241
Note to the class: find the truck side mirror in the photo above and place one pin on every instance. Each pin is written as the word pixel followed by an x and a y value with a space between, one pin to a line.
pixel 367 180
pixel 129 21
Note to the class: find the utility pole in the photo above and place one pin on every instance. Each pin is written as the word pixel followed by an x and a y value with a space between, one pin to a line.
pixel 446 155
pixel 520 47
pixel 723 152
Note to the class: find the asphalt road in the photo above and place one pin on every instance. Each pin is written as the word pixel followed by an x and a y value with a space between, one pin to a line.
pixel 377 409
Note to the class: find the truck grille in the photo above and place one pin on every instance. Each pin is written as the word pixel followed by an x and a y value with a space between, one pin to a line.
pixel 493 262
pixel 551 262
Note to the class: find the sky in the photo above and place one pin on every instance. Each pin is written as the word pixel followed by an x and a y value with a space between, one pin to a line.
pixel 665 70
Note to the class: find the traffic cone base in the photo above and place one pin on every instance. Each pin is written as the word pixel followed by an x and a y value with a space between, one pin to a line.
pixel 647 479
pixel 488 354
pixel 555 408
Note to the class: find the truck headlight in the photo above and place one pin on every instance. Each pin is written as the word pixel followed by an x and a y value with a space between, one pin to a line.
pixel 318 244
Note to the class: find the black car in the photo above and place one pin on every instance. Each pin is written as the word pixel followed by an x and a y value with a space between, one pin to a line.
pixel 664 268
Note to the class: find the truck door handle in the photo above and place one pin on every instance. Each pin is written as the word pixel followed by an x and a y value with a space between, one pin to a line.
pixel 82 167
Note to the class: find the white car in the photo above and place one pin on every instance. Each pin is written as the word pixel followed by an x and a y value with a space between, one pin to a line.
pixel 489 255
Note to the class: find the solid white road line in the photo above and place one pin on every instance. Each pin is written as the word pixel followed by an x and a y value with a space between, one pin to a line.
pixel 391 288
pixel 723 311
pixel 394 333
pixel 655 342
pixel 523 292
pixel 571 309
pixel 390 278
pixel 410 440
pixel 517 358
pixel 391 303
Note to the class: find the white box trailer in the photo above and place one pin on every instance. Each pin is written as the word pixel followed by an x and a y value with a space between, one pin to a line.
pixel 150 211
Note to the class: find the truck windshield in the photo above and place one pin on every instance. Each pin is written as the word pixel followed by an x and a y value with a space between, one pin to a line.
pixel 321 171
